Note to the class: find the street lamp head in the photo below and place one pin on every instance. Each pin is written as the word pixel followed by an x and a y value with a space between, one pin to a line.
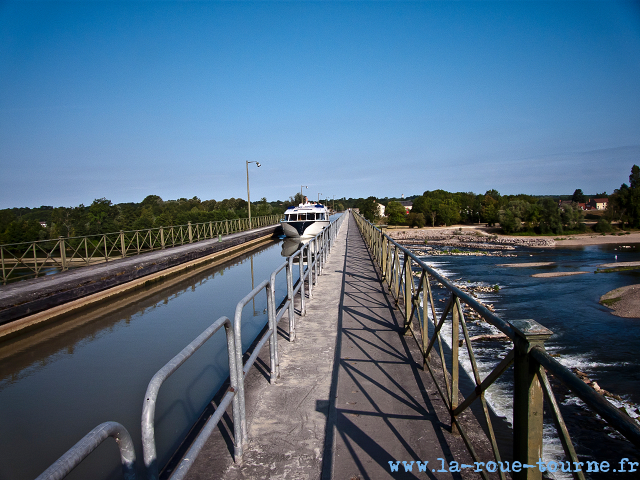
pixel 258 164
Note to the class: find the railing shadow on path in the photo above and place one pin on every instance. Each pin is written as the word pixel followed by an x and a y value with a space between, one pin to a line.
pixel 376 368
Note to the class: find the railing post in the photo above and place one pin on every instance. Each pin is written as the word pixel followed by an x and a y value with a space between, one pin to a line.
pixel 210 229
pixel 303 305
pixel 396 274
pixel 455 365
pixel 87 444
pixel 190 232
pixel 528 398
pixel 35 258
pixel 162 238
pixel 292 313
pixel 63 254
pixel 310 268
pixel 4 273
pixel 425 318
pixel 273 342
pixel 106 249
pixel 122 245
pixel 383 266
pixel 408 283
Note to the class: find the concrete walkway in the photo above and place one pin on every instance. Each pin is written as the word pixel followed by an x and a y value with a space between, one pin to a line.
pixel 352 396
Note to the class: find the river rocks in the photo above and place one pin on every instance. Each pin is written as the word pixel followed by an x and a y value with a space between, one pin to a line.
pixel 583 376
pixel 486 338
pixel 478 239
pixel 422 252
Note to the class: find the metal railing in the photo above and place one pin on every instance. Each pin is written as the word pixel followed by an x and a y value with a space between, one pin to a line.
pixel 399 266
pixel 33 259
pixel 149 404
pixel 315 252
pixel 314 255
pixel 76 454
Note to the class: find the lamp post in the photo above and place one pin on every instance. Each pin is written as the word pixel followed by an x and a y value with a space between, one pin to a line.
pixel 301 196
pixel 248 194
pixel 319 197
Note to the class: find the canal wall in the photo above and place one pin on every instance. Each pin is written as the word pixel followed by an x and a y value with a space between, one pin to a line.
pixel 31 302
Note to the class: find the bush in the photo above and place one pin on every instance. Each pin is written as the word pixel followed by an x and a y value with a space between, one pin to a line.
pixel 416 220
pixel 603 226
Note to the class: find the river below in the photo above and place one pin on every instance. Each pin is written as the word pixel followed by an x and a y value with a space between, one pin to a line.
pixel 586 335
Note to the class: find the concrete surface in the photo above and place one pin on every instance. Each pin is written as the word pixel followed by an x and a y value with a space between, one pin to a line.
pixel 352 395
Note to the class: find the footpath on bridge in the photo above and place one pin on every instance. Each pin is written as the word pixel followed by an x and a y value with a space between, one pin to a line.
pixel 352 395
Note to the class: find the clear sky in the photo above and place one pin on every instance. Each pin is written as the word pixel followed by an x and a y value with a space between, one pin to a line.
pixel 126 99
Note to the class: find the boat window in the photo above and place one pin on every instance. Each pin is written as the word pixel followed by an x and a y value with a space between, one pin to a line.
pixel 302 216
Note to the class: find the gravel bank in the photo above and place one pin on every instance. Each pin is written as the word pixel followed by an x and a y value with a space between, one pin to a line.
pixel 467 238
pixel 624 301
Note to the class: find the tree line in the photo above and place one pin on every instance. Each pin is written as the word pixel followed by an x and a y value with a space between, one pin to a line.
pixel 23 224
pixel 514 213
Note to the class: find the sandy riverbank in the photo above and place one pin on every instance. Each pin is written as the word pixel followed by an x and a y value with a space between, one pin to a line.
pixel 597 239
pixel 525 264
pixel 624 301
pixel 557 274
pixel 484 237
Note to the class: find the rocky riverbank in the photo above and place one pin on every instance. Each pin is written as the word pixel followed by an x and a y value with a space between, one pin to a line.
pixel 467 238
pixel 463 253
pixel 624 301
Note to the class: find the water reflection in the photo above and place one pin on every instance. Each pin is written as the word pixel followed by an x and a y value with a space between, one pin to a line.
pixel 58 382
pixel 291 246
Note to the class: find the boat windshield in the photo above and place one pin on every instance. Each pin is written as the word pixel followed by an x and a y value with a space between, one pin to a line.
pixel 294 217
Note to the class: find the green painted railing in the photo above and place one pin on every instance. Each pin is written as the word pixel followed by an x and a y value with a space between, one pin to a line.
pixel 34 259
pixel 413 285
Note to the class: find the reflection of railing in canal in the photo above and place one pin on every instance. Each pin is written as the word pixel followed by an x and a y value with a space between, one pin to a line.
pixel 312 255
pixel 33 259
pixel 531 384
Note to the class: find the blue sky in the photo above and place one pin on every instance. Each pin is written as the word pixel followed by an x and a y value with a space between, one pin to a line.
pixel 126 99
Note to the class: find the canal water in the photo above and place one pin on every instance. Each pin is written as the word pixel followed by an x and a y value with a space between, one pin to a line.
pixel 586 335
pixel 58 383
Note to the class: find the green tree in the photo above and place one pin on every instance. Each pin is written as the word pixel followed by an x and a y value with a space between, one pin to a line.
pixel 396 213
pixel 578 196
pixel 603 226
pixel 624 204
pixel 416 220
pixel 369 208
pixel 513 215
pixel 572 217
pixel 550 216
pixel 101 216
pixel 23 231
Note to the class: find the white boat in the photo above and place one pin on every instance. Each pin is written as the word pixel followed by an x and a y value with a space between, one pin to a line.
pixel 305 220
